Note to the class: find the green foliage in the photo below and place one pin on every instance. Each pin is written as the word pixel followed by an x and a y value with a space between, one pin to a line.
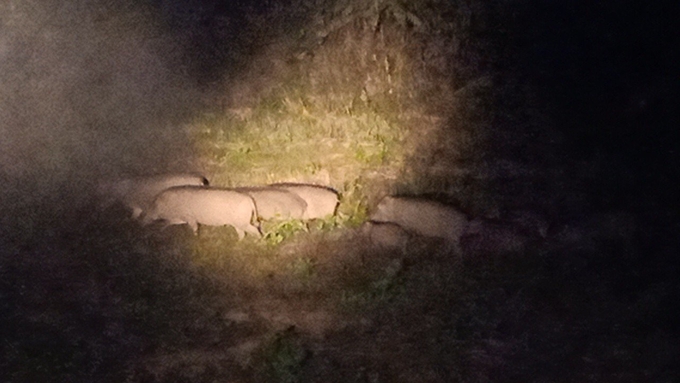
pixel 303 268
pixel 374 289
pixel 282 357
pixel 276 232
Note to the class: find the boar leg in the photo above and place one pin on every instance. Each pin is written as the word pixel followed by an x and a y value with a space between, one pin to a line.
pixel 254 230
pixel 136 212
pixel 194 226
pixel 240 233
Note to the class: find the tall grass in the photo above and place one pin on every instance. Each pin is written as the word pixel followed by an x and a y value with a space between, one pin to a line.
pixel 350 110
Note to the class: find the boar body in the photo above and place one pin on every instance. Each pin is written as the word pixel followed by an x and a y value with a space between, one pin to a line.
pixel 422 217
pixel 138 193
pixel 275 203
pixel 195 205
pixel 385 235
pixel 321 201
pixel 530 222
pixel 493 237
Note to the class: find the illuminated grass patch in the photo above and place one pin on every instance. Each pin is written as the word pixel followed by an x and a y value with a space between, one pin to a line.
pixel 299 143
pixel 367 112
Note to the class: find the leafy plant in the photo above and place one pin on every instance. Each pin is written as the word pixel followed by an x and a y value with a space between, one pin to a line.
pixel 382 288
pixel 282 357
pixel 278 231
pixel 303 268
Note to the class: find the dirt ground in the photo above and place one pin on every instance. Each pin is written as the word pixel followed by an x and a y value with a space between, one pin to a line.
pixel 103 300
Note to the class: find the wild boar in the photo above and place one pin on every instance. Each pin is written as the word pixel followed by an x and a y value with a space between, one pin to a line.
pixel 385 235
pixel 589 232
pixel 492 237
pixel 532 223
pixel 322 201
pixel 275 203
pixel 195 205
pixel 138 193
pixel 423 217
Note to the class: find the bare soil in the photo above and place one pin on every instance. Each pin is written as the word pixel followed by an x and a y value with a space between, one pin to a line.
pixel 105 300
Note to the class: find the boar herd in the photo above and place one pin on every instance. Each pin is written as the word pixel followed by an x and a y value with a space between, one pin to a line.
pixel 179 199
pixel 397 220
